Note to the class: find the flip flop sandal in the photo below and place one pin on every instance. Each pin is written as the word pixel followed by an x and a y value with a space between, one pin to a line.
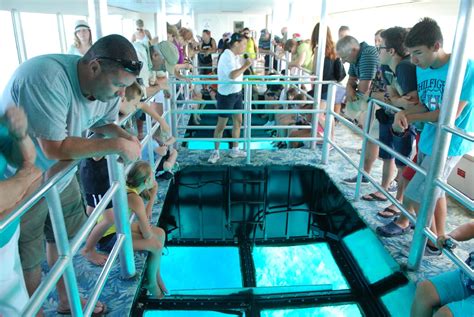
pixel 388 213
pixel 373 197
pixel 392 229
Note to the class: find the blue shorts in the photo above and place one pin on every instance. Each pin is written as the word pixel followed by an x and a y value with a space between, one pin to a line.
pixel 453 293
pixel 340 95
pixel 401 144
pixel 229 102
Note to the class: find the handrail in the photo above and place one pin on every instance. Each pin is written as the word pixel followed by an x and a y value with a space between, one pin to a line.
pixel 63 266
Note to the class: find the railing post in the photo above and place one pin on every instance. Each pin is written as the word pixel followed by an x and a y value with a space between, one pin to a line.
pixel 174 116
pixel 121 214
pixel 447 116
pixel 370 109
pixel 149 144
pixel 328 123
pixel 62 243
pixel 248 119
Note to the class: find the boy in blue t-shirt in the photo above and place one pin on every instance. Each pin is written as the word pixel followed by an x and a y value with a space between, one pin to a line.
pixel 424 42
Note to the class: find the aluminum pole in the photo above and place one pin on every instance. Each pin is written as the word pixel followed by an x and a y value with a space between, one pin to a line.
pixel 116 174
pixel 62 243
pixel 328 124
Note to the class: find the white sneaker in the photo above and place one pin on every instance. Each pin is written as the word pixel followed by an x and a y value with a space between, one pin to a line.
pixel 269 123
pixel 236 153
pixel 214 157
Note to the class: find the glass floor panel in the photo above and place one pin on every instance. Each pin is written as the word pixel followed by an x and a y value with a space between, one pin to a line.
pixel 191 268
pixel 183 313
pixel 349 310
pixel 375 262
pixel 399 301
pixel 311 264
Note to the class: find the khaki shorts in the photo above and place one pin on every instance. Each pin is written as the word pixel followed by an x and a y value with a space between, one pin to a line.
pixel 36 225
pixel 416 187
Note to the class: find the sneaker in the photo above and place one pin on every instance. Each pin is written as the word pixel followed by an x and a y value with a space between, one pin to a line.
pixel 393 187
pixel 214 157
pixel 269 123
pixel 353 180
pixel 236 153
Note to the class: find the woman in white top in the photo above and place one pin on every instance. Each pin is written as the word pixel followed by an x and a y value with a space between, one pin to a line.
pixel 229 96
pixel 142 34
pixel 82 39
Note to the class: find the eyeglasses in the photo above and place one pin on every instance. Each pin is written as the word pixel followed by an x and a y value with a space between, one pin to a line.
pixel 379 48
pixel 133 67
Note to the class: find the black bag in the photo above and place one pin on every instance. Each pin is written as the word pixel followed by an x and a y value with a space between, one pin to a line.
pixel 384 117
pixel 339 71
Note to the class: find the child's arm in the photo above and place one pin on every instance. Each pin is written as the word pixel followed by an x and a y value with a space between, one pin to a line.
pixel 152 113
pixel 135 202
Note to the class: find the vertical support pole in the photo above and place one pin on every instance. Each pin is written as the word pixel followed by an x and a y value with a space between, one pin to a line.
pixel 62 243
pixel 149 144
pixel 61 32
pixel 328 123
pixel 121 215
pixel 19 39
pixel 370 110
pixel 248 120
pixel 174 107
pixel 447 116
pixel 97 13
pixel 319 69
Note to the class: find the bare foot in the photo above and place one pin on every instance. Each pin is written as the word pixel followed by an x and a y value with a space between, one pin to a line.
pixel 94 257
pixel 100 308
pixel 155 291
pixel 162 285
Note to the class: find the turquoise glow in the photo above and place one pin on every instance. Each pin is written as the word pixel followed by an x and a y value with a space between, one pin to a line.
pixel 193 268
pixel 399 301
pixel 350 310
pixel 375 262
pixel 311 264
pixel 205 145
pixel 181 313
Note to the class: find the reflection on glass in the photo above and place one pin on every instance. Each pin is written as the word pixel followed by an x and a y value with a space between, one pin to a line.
pixel 191 268
pixel 9 60
pixel 351 310
pixel 41 34
pixel 311 264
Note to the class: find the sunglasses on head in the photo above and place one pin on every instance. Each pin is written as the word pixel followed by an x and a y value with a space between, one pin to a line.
pixel 133 67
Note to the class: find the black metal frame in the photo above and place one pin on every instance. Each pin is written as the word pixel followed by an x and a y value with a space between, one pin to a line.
pixel 366 295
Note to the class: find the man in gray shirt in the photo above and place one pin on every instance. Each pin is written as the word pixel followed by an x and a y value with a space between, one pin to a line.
pixel 64 96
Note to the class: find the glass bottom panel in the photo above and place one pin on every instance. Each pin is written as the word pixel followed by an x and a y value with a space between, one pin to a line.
pixel 399 301
pixel 351 310
pixel 182 313
pixel 311 264
pixel 191 268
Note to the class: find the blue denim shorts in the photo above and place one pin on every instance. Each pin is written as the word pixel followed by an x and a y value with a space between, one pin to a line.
pixel 401 144
pixel 453 293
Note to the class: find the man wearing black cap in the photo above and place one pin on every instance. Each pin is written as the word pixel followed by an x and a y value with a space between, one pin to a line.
pixel 63 96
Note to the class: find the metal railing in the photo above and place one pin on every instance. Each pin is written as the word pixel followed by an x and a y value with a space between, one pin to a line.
pixel 67 249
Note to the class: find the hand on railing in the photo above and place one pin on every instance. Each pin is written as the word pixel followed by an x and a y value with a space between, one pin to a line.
pixel 400 122
pixel 446 241
pixel 129 149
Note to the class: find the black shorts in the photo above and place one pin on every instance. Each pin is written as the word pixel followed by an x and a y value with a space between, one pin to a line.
pixel 95 180
pixel 229 102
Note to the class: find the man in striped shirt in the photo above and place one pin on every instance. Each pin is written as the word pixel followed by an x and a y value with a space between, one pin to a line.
pixel 364 61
